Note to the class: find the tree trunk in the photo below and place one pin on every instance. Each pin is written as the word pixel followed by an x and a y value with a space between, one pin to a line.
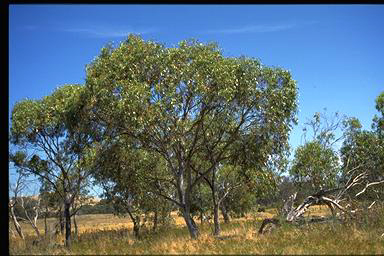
pixel 216 202
pixel 46 231
pixel 224 212
pixel 136 227
pixel 34 224
pixel 67 216
pixel 216 222
pixel 185 200
pixel 192 227
pixel 36 229
pixel 16 223
pixel 136 223
pixel 33 220
pixel 155 220
pixel 61 220
pixel 76 235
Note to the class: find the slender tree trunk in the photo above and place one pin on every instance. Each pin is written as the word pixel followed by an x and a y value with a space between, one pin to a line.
pixel 224 212
pixel 192 227
pixel 155 219
pixel 45 222
pixel 16 223
pixel 67 216
pixel 34 223
pixel 216 202
pixel 61 220
pixel 216 222
pixel 76 235
pixel 136 227
pixel 47 229
pixel 185 202
pixel 136 223
pixel 36 229
pixel 33 220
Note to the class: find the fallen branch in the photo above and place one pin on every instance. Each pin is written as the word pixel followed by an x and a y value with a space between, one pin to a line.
pixel 368 185
pixel 324 197
pixel 274 221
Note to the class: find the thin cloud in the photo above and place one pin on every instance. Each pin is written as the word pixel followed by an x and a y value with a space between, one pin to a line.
pixel 252 29
pixel 93 32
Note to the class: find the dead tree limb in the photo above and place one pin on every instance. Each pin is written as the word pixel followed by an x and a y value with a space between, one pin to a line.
pixel 16 223
pixel 368 185
pixel 18 187
pixel 32 220
pixel 275 223
pixel 323 197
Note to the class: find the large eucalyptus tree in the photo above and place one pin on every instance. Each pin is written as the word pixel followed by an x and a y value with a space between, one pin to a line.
pixel 192 106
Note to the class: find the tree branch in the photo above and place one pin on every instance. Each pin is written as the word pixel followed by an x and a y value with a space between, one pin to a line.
pixel 368 185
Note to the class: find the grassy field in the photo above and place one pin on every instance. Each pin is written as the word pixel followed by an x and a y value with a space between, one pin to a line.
pixel 107 234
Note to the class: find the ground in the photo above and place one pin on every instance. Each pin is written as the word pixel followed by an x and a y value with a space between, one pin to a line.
pixel 108 234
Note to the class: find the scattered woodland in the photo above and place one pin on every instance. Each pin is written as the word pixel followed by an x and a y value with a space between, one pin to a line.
pixel 191 152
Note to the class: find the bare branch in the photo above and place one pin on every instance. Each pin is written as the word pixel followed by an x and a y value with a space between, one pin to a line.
pixel 368 185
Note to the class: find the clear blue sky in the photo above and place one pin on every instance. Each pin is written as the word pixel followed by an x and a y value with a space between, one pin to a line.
pixel 334 52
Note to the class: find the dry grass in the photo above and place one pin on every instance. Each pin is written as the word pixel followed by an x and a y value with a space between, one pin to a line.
pixel 107 234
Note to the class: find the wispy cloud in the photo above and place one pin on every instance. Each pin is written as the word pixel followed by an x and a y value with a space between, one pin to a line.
pixel 106 32
pixel 252 29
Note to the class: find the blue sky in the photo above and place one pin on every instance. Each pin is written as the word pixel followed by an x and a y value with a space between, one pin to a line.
pixel 334 52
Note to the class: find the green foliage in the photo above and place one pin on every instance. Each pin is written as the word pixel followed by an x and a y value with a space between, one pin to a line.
pixel 193 108
pixel 128 176
pixel 147 90
pixel 191 105
pixel 240 202
pixel 201 200
pixel 316 164
pixel 378 122
pixel 48 116
pixel 364 151
pixel 101 207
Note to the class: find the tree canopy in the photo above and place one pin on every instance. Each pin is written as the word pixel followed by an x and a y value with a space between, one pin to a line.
pixel 192 106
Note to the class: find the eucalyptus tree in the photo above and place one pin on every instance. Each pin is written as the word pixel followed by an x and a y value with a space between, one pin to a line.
pixel 50 146
pixel 189 104
pixel 362 155
pixel 316 163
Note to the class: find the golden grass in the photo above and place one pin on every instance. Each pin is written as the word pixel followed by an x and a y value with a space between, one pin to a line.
pixel 97 222
pixel 107 234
